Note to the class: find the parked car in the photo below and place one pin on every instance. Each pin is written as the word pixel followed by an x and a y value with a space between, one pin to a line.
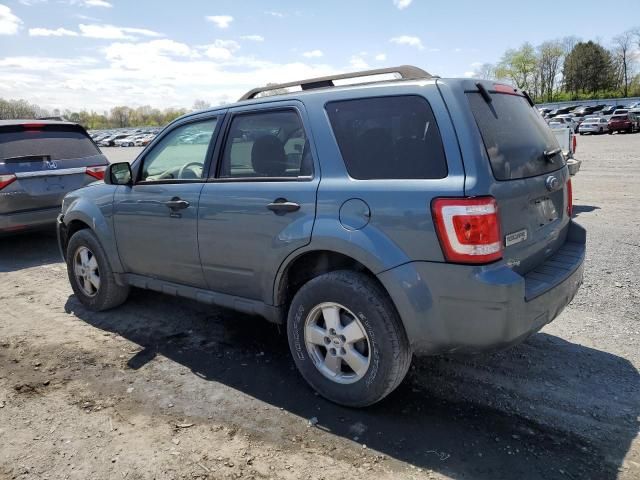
pixel 611 109
pixel 41 161
pixel 568 120
pixel 111 140
pixel 144 140
pixel 585 111
pixel 594 125
pixel 350 219
pixel 567 141
pixel 623 123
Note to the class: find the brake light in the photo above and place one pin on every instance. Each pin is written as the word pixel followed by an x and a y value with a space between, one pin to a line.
pixel 33 126
pixel 6 180
pixel 569 198
pixel 500 88
pixel 97 171
pixel 468 229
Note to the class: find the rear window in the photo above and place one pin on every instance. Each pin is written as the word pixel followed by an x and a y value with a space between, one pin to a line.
pixel 619 118
pixel 55 142
pixel 388 138
pixel 515 135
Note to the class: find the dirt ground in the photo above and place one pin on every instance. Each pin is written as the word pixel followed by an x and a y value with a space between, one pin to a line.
pixel 166 388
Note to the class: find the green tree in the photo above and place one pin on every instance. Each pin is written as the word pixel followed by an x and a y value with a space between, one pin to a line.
pixel 520 67
pixel 550 56
pixel 588 68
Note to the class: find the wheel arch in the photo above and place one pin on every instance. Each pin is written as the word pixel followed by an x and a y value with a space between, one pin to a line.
pixel 308 264
pixel 84 214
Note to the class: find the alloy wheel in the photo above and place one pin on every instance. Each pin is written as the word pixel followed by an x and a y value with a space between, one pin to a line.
pixel 85 267
pixel 337 343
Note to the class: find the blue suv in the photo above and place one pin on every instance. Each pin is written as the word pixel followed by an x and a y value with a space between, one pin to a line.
pixel 405 214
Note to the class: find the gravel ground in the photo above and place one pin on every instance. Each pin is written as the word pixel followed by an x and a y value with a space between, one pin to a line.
pixel 167 388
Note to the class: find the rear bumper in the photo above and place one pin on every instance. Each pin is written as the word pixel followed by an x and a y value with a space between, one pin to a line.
pixel 449 308
pixel 17 222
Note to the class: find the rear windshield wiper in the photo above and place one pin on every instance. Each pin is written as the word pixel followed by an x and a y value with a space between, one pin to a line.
pixel 484 92
pixel 549 154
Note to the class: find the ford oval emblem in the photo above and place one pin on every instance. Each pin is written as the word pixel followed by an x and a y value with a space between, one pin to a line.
pixel 552 183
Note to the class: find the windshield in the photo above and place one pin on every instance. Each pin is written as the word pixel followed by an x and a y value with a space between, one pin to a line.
pixel 517 139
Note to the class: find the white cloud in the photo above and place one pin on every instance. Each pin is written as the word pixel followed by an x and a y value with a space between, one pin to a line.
pixel 111 32
pixel 221 21
pixel 313 54
pixel 90 3
pixel 221 49
pixel 9 23
pixel 48 32
pixel 96 3
pixel 358 63
pixel 78 3
pixel 402 4
pixel 253 38
pixel 158 72
pixel 408 40
pixel 469 74
pixel 381 57
pixel 275 14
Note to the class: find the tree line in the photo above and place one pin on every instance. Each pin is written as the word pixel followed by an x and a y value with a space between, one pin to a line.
pixel 117 117
pixel 571 69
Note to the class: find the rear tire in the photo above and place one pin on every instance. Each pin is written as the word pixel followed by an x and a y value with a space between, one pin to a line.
pixel 90 274
pixel 341 320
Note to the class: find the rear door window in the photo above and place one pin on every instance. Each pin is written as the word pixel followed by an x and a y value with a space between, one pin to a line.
pixel 515 136
pixel 45 142
pixel 388 138
pixel 269 144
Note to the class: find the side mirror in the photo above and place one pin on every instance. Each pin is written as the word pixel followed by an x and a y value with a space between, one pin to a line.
pixel 118 174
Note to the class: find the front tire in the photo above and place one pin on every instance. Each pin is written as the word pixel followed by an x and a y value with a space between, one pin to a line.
pixel 90 274
pixel 346 338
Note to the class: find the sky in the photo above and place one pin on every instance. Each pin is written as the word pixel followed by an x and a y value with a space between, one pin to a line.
pixel 96 54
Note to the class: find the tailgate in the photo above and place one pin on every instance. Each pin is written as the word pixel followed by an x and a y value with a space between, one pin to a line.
pixel 529 176
pixel 43 162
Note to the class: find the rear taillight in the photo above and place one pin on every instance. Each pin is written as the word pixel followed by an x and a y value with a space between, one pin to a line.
pixel 468 229
pixel 6 180
pixel 575 144
pixel 96 172
pixel 569 198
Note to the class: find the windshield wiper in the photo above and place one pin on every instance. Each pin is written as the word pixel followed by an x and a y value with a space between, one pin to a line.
pixel 549 154
pixel 484 93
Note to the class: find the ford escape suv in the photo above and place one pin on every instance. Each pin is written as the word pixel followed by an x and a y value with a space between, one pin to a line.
pixel 41 161
pixel 406 215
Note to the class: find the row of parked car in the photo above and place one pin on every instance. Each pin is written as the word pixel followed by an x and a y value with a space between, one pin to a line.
pixel 596 119
pixel 140 137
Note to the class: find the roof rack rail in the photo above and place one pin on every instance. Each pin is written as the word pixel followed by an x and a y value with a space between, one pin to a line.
pixel 406 72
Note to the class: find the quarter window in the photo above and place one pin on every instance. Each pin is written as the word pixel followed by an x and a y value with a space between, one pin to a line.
pixel 388 138
pixel 266 145
pixel 181 154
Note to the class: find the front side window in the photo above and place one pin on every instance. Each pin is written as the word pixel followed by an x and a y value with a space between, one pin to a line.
pixel 388 138
pixel 181 154
pixel 270 144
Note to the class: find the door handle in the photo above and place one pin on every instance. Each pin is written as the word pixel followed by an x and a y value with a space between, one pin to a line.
pixel 280 206
pixel 176 203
